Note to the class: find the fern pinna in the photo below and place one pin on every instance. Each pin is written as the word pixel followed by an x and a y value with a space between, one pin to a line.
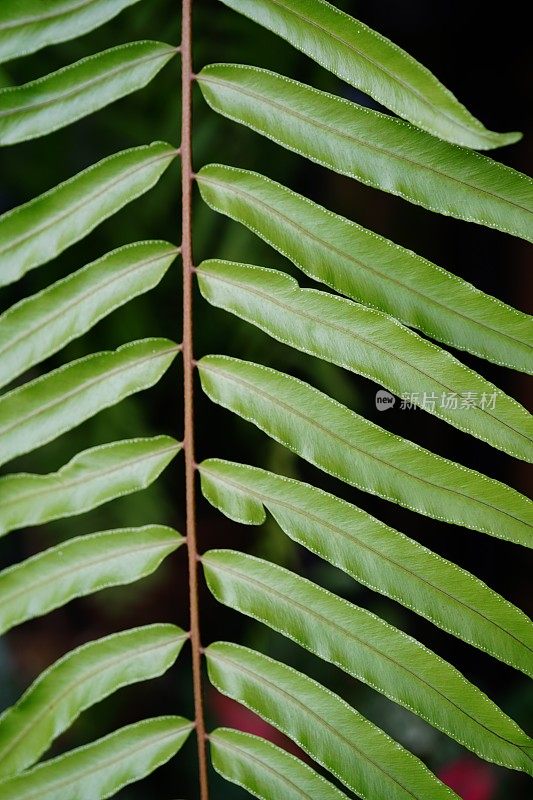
pixel 383 312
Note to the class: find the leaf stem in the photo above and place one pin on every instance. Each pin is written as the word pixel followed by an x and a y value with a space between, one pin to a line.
pixel 188 372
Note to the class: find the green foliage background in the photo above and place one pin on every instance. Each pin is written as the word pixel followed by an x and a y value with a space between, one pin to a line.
pixel 485 60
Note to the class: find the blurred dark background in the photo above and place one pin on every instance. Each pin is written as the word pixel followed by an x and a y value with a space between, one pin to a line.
pixel 485 59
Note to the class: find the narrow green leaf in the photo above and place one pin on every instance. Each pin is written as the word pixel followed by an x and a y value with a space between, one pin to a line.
pixel 79 567
pixel 372 344
pixel 29 25
pixel 80 679
pixel 100 769
pixel 39 326
pixel 39 230
pixel 361 453
pixel 381 151
pixel 376 555
pixel 370 650
pixel 364 758
pixel 265 770
pixel 91 478
pixel 370 269
pixel 53 101
pixel 39 411
pixel 370 62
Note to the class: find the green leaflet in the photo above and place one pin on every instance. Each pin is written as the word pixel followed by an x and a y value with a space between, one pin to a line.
pixel 370 650
pixel 36 232
pixel 374 64
pixel 91 478
pixel 80 679
pixel 379 150
pixel 29 25
pixel 79 567
pixel 370 269
pixel 53 101
pixel 39 326
pixel 39 411
pixel 364 758
pixel 361 453
pixel 265 770
pixel 375 555
pixel 372 344
pixel 100 769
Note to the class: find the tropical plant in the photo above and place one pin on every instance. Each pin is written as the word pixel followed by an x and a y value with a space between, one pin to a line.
pixel 386 306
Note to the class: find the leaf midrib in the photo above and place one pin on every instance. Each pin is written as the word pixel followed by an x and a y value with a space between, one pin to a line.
pixel 102 766
pixel 353 334
pixel 394 77
pixel 363 265
pixel 110 664
pixel 87 199
pixel 343 134
pixel 86 476
pixel 294 410
pixel 21 22
pixel 266 499
pixel 80 87
pixel 105 558
pixel 43 321
pixel 321 720
pixel 267 588
pixel 80 387
pixel 234 748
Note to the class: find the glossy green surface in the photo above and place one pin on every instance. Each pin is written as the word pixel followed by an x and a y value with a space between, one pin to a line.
pixel 77 681
pixel 39 326
pixel 369 649
pixel 376 555
pixel 346 445
pixel 372 63
pixel 92 477
pixel 29 25
pixel 370 269
pixel 34 233
pixel 39 411
pixel 372 344
pixel 80 566
pixel 381 151
pixel 53 101
pixel 366 760
pixel 100 769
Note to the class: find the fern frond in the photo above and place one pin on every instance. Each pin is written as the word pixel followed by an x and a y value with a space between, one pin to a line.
pixel 369 649
pixel 77 681
pixel 36 232
pixel 26 27
pixel 371 344
pixel 53 101
pixel 363 757
pixel 376 555
pixel 102 768
pixel 384 291
pixel 370 269
pixel 373 148
pixel 39 326
pixel 371 62
pixel 91 478
pixel 350 447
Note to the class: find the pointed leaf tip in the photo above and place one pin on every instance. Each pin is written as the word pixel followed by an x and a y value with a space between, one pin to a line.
pixel 375 65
